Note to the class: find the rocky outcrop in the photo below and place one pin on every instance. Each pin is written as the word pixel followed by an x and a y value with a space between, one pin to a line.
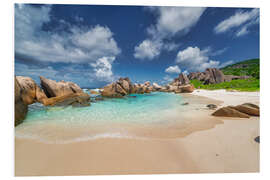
pixel 243 111
pixel 252 105
pixel 30 91
pixel 181 84
pixel 74 99
pixel 187 88
pixel 182 79
pixel 40 95
pixel 113 90
pixel 229 112
pixel 171 88
pixel 197 75
pixel 123 87
pixel 213 76
pixel 54 89
pixel 20 107
pixel 156 87
pixel 125 84
pixel 142 88
pixel 252 111
pixel 211 106
pixel 59 93
pixel 257 139
pixel 229 78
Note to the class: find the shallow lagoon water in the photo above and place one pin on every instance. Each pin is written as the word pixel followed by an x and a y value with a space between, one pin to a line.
pixel 136 108
pixel 137 115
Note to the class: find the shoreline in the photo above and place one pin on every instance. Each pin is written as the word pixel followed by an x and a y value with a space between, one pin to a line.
pixel 217 152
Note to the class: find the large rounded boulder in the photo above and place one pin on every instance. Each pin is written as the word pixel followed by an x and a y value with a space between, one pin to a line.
pixel 187 88
pixel 120 88
pixel 30 91
pixel 112 91
pixel 54 89
pixel 20 107
pixel 248 109
pixel 230 112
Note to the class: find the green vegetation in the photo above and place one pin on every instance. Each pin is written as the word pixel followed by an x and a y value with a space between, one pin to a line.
pixel 244 68
pixel 249 67
pixel 251 84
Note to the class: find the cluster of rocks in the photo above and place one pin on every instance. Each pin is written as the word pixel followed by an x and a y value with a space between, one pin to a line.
pixel 242 111
pixel 213 76
pixel 123 87
pixel 51 93
pixel 181 84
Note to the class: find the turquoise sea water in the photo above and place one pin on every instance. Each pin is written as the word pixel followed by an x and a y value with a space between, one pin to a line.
pixel 137 108
pixel 109 117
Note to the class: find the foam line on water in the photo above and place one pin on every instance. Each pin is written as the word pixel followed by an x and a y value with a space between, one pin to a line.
pixel 80 139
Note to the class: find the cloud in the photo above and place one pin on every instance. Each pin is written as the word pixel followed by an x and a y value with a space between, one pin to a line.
pixel 84 52
pixel 173 69
pixel 226 63
pixel 171 21
pixel 195 59
pixel 170 46
pixel 210 52
pixel 78 45
pixel 35 71
pixel 148 49
pixel 103 68
pixel 240 18
pixel 243 31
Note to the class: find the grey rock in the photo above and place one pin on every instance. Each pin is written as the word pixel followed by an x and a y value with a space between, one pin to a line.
pixel 211 106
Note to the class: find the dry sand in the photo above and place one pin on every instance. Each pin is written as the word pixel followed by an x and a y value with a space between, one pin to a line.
pixel 230 97
pixel 210 148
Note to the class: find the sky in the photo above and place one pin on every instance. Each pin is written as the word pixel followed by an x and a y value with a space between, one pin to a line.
pixel 95 45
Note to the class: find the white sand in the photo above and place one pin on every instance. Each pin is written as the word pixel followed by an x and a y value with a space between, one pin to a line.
pixel 230 97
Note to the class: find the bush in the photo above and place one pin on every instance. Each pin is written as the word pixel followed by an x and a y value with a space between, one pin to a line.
pixel 252 69
pixel 251 84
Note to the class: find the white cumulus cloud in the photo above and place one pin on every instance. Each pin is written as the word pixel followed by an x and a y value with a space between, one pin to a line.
pixel 93 47
pixel 103 68
pixel 195 59
pixel 148 49
pixel 241 19
pixel 171 21
pixel 79 45
pixel 173 69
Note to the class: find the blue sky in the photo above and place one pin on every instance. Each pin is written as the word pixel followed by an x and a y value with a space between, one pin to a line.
pixel 95 45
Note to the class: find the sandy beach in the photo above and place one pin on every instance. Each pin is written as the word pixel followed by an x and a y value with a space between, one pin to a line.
pixel 227 145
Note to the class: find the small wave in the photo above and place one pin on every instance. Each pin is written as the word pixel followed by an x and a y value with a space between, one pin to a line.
pixel 79 139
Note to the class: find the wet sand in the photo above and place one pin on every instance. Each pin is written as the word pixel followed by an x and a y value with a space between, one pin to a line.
pixel 206 145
